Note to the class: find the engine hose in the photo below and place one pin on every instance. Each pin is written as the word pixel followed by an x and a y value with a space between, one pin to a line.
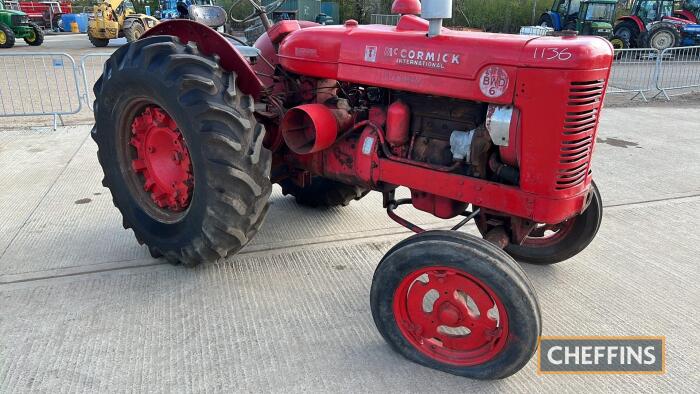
pixel 504 172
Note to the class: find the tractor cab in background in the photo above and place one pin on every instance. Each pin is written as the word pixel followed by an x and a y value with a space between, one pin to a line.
pixel 587 17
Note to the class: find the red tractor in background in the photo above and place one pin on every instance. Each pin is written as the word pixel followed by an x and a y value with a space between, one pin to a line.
pixel 660 24
pixel 193 129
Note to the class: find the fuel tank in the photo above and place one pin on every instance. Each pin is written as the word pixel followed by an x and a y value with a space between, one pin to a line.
pixel 468 65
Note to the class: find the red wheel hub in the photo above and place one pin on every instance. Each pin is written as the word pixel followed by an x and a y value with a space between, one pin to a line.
pixel 450 316
pixel 162 159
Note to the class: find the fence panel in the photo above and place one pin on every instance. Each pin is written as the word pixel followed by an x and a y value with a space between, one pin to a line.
pixel 634 71
pixel 39 83
pixel 383 19
pixel 91 66
pixel 679 69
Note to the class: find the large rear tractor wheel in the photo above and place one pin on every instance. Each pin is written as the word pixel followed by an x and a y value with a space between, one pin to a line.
pixel 134 32
pixel 550 244
pixel 36 37
pixel 629 32
pixel 322 192
pixel 98 42
pixel 7 36
pixel 662 36
pixel 181 151
pixel 456 303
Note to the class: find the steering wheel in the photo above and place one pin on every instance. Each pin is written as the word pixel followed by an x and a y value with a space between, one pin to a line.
pixel 259 9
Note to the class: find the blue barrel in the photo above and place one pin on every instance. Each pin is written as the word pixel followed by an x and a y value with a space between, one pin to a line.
pixel 67 19
pixel 82 20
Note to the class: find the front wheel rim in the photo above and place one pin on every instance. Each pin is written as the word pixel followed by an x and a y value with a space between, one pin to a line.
pixel 3 38
pixel 662 40
pixel 625 34
pixel 450 316
pixel 549 234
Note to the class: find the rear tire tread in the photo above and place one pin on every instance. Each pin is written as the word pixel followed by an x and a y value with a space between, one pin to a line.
pixel 236 166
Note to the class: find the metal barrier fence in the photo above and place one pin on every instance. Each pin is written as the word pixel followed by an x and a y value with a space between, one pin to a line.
pixel 679 68
pixel 382 19
pixel 47 83
pixel 40 83
pixel 91 66
pixel 634 71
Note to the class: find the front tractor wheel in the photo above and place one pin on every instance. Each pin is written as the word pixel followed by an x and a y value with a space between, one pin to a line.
pixel 134 32
pixel 181 151
pixel 550 244
pixel 98 42
pixel 7 36
pixel 36 37
pixel 456 303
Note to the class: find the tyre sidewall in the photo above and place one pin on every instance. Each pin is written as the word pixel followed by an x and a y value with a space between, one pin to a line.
pixel 142 84
pixel 584 230
pixel 510 286
pixel 9 36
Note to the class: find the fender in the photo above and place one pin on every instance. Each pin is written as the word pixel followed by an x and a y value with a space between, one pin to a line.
pixel 211 42
pixel 634 19
pixel 687 15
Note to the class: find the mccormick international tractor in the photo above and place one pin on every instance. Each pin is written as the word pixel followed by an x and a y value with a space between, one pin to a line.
pixel 587 17
pixel 15 24
pixel 112 19
pixel 193 131
pixel 657 24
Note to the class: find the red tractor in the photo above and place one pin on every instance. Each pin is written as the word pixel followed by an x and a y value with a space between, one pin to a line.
pixel 659 24
pixel 194 129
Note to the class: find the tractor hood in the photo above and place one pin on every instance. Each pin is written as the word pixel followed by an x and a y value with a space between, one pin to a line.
pixel 454 64
pixel 600 25
pixel 13 12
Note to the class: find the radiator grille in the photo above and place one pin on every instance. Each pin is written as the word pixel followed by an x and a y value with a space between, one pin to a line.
pixel 17 19
pixel 577 136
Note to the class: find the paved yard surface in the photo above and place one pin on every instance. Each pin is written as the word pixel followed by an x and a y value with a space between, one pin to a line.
pixel 83 308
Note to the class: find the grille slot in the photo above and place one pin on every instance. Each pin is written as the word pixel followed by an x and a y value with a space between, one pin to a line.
pixel 581 119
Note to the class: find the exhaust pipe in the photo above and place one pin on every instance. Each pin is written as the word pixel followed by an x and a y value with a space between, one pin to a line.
pixel 435 11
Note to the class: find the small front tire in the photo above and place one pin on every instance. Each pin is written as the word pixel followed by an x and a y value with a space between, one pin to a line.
pixel 7 36
pixel 553 244
pixel 456 303
pixel 37 37
pixel 134 32
pixel 98 42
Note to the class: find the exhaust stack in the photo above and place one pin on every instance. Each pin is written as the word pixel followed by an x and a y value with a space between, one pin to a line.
pixel 435 11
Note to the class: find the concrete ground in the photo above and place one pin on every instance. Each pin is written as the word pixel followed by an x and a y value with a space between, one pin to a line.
pixel 83 308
